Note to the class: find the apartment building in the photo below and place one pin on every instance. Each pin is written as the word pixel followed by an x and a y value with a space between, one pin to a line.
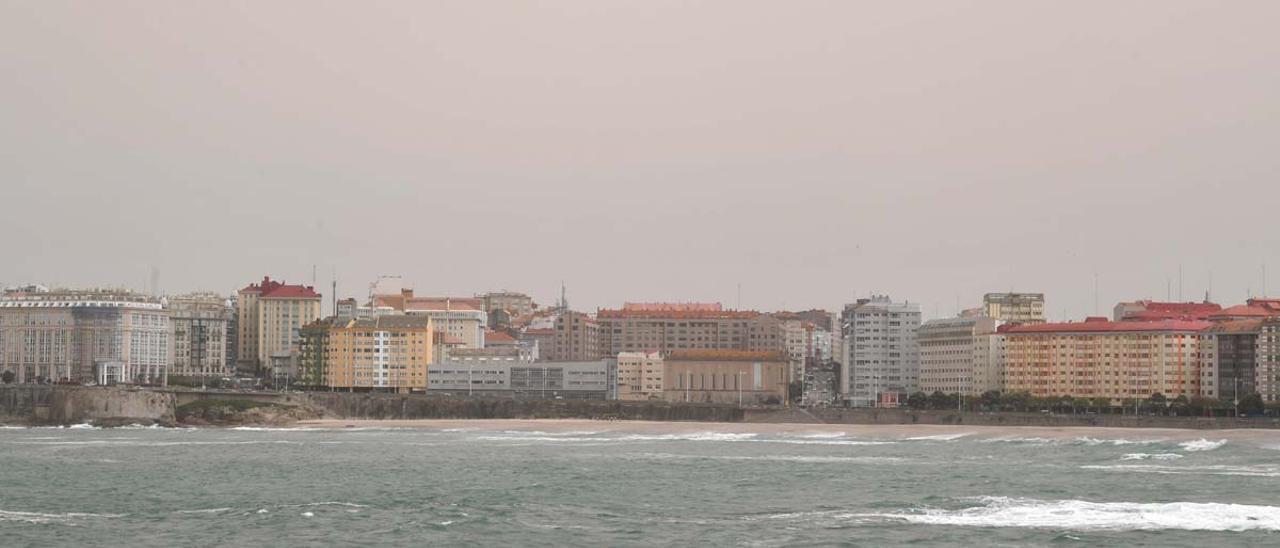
pixel 1228 359
pixel 201 324
pixel 955 355
pixel 640 376
pixel 270 316
pixel 1105 359
pixel 726 376
pixel 462 318
pixel 389 353
pixel 91 335
pixel 1023 308
pixel 881 357
pixel 671 327
pixel 577 337
pixel 1148 310
pixel 518 304
pixel 1267 374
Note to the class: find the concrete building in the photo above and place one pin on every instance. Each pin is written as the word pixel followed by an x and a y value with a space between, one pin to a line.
pixel 989 362
pixel 726 376
pixel 881 357
pixel 1022 308
pixel 458 317
pixel 540 341
pixel 518 304
pixel 1103 359
pixel 1228 359
pixel 955 355
pixel 671 327
pixel 1267 375
pixel 201 323
pixel 270 317
pixel 640 376
pixel 475 372
pixel 577 337
pixel 506 377
pixel 382 353
pixel 84 336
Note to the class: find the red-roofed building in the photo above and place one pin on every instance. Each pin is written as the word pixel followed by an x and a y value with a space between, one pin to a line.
pixel 1146 311
pixel 1103 359
pixel 270 317
pixel 1243 312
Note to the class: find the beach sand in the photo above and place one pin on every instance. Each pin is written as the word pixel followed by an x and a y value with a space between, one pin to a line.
pixel 870 431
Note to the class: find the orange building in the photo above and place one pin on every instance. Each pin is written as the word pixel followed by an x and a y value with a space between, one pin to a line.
pixel 1104 359
pixel 725 376
pixel 384 352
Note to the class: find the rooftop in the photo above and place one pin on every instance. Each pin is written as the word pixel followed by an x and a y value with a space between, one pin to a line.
pixel 271 289
pixel 1102 325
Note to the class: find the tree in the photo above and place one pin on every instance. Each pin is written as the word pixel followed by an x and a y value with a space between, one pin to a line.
pixel 990 399
pixel 1157 398
pixel 918 400
pixel 938 400
pixel 1015 401
pixel 7 377
pixel 796 391
pixel 1252 405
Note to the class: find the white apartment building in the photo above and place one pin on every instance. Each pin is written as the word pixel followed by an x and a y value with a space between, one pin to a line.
pixel 640 376
pixel 201 325
pixel 956 355
pixel 881 359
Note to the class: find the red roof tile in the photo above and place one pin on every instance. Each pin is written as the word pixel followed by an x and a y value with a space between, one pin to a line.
pixel 1244 311
pixel 1103 326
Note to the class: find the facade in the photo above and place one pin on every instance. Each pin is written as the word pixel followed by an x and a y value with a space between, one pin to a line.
pixel 989 351
pixel 507 377
pixel 270 317
pixel 475 372
pixel 1267 376
pixel 1228 359
pixel 640 376
pixel 541 342
pixel 672 327
pixel 460 318
pixel 382 353
pixel 726 376
pixel 201 324
pixel 952 357
pixel 84 336
pixel 518 304
pixel 577 337
pixel 1022 308
pixel 881 357
pixel 1103 359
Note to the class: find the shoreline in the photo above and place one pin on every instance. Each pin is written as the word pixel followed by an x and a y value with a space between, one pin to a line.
pixel 856 430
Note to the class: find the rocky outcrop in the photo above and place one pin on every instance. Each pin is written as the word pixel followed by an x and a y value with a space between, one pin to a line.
pixel 235 412
pixel 63 405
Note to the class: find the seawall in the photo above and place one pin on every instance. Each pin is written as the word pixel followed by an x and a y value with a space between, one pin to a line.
pixel 393 406
pixel 66 405
pixel 906 416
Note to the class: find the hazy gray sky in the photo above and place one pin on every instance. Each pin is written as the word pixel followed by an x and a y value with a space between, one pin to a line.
pixel 811 151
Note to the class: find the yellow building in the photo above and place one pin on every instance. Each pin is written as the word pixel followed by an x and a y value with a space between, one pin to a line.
pixel 270 317
pixel 726 376
pixel 384 352
pixel 640 376
pixel 1101 359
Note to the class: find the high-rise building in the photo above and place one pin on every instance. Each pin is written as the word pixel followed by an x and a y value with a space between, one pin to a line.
pixel 640 376
pixel 201 322
pixel 881 364
pixel 381 353
pixel 1267 376
pixel 270 317
pixel 1097 358
pixel 84 336
pixel 955 355
pixel 577 337
pixel 1023 308
pixel 1228 359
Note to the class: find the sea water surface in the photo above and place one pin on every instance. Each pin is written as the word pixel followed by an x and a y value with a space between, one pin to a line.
pixel 585 486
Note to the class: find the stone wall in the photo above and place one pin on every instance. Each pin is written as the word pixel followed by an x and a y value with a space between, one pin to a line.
pixel 64 405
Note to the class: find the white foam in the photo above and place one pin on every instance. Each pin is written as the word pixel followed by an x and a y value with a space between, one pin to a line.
pixel 1117 441
pixel 1151 456
pixel 941 437
pixel 774 458
pixel 821 435
pixel 1260 471
pixel 1202 445
pixel 205 511
pixel 308 514
pixel 40 517
pixel 1119 516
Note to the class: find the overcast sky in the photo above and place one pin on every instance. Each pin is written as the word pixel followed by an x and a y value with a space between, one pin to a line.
pixel 813 152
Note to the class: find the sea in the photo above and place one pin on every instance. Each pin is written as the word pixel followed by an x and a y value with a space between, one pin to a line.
pixel 642 485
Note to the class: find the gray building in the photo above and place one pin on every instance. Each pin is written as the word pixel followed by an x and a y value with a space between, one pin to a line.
pixel 201 323
pixel 955 356
pixel 880 356
pixel 510 377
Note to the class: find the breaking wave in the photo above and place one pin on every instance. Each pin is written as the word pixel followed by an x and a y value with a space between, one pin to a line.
pixel 1118 516
pixel 1202 445
pixel 1151 456
pixel 941 437
pixel 1260 471
pixel 69 518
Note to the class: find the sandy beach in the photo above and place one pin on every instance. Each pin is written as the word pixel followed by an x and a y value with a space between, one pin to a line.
pixel 1256 436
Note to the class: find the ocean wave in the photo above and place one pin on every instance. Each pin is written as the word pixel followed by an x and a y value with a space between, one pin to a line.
pixel 1259 471
pixel 130 443
pixel 820 459
pixel 1112 441
pixel 68 518
pixel 819 435
pixel 1202 445
pixel 940 437
pixel 1117 516
pixel 1151 456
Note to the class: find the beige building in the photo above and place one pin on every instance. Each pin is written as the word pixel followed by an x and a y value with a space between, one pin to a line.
pixel 725 376
pixel 382 353
pixel 270 318
pixel 1267 374
pixel 671 327
pixel 577 337
pixel 93 335
pixel 200 332
pixel 459 318
pixel 1103 359
pixel 1022 308
pixel 518 304
pixel 955 355
pixel 640 376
